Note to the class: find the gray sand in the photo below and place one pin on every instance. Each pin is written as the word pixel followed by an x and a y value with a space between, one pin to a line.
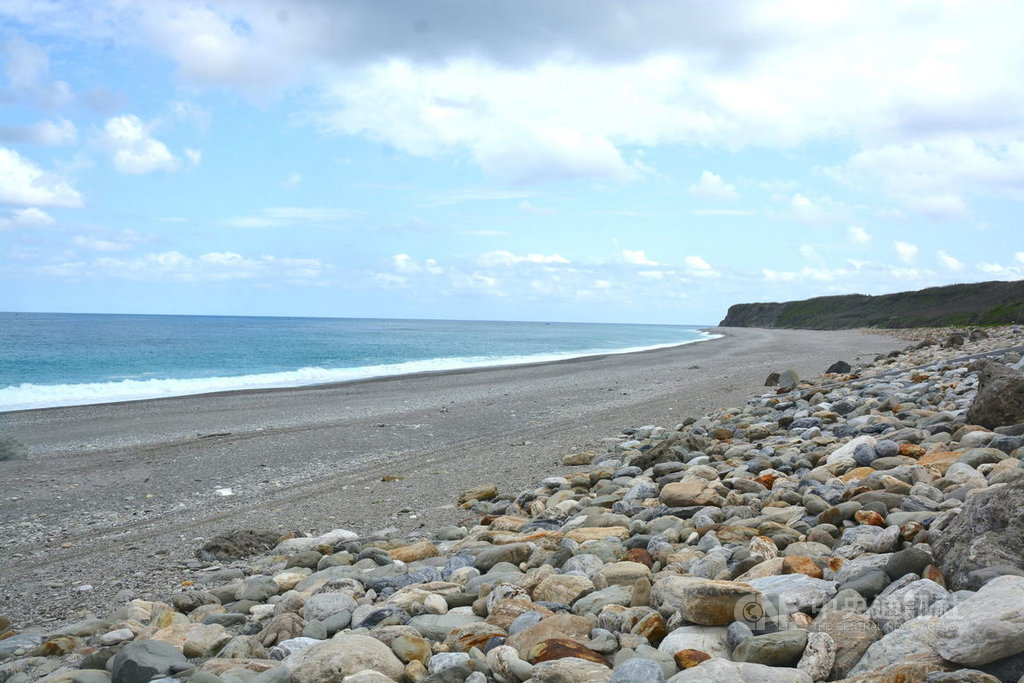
pixel 118 496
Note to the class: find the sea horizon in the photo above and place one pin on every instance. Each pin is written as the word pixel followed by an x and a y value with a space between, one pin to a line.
pixel 356 317
pixel 66 359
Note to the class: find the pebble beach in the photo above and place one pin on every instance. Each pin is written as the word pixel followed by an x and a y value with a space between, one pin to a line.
pixel 848 516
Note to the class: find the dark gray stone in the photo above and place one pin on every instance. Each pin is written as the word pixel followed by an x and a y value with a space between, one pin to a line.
pixel 1000 397
pixel 141 660
pixel 886 448
pixel 864 455
pixel 988 532
pixel 979 577
pixel 840 367
pixel 638 670
pixel 238 544
pixel 1007 669
pixel 961 676
pixel 869 584
pixel 909 561
pixel 782 648
pixel 736 633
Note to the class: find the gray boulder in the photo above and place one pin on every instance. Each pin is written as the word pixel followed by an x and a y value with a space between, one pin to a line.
pixel 782 648
pixel 892 610
pixel 724 671
pixel 986 627
pixel 840 367
pixel 916 637
pixel 638 670
pixel 142 660
pixel 1000 398
pixel 988 532
pixel 788 379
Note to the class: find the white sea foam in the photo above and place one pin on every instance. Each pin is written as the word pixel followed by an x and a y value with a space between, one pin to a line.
pixel 30 396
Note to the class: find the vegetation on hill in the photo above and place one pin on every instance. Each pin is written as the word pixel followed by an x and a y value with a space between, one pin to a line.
pixel 982 303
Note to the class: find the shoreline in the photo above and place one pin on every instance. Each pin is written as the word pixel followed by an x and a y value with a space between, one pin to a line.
pixel 471 366
pixel 118 496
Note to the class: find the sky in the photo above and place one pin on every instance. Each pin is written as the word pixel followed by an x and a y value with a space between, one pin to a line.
pixel 565 160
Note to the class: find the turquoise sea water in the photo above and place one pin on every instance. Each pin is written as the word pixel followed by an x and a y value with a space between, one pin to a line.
pixel 56 359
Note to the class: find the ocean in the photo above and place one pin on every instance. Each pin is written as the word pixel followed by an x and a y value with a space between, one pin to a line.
pixel 60 359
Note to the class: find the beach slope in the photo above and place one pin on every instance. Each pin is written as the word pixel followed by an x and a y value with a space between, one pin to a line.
pixel 118 496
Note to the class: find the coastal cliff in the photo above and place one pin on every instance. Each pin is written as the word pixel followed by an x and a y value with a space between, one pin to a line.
pixel 982 303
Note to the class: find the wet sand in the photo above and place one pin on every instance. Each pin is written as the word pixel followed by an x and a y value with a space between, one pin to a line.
pixel 118 496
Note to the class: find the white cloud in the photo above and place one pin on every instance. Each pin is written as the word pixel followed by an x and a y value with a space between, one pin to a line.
pixel 174 266
pixel 47 133
pixel 698 267
pixel 552 122
pixel 26 64
pixel 950 262
pixel 907 252
pixel 293 180
pixel 192 113
pixel 844 278
pixel 697 263
pixel 474 195
pixel 713 188
pixel 637 258
pixel 1019 256
pixel 293 215
pixel 817 211
pixel 194 156
pixel 537 276
pixel 98 244
pixel 722 212
pixel 930 177
pixel 1001 272
pixel 484 233
pixel 858 235
pixel 507 258
pixel 808 252
pixel 406 265
pixel 26 218
pixel 133 149
pixel 529 207
pixel 459 79
pixel 24 183
pixel 27 68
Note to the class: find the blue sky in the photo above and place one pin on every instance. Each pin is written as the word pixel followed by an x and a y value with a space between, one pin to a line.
pixel 572 160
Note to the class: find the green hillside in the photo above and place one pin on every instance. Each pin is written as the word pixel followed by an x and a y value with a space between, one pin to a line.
pixel 982 303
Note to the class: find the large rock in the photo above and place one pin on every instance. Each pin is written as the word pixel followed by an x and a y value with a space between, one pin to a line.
pixel 324 605
pixel 916 637
pixel 142 660
pixel 235 545
pixel 988 532
pixel 703 601
pixel 987 626
pixel 556 626
pixel 724 671
pixel 571 670
pixel 782 648
pixel 621 574
pixel 892 610
pixel 438 626
pixel 710 639
pixel 563 588
pixel 819 656
pixel 1000 397
pixel 343 655
pixel 638 670
pixel 853 634
pixel 689 491
pixel 788 593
